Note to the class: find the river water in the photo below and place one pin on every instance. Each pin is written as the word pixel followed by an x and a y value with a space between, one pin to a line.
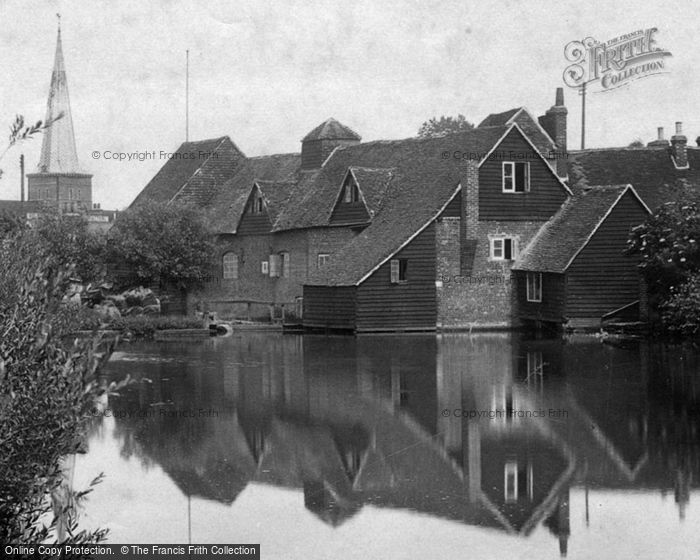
pixel 402 446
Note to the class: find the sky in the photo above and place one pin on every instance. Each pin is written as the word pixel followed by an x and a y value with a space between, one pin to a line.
pixel 265 73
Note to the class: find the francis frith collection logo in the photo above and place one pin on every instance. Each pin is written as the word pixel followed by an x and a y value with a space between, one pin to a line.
pixel 616 62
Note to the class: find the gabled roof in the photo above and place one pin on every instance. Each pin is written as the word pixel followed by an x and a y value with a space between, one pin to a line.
pixel 372 185
pixel 278 172
pixel 530 125
pixel 423 182
pixel 195 172
pixel 275 194
pixel 420 168
pixel 331 129
pixel 560 240
pixel 650 170
pixel 500 119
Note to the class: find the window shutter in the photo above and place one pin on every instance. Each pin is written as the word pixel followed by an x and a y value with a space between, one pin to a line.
pixel 274 265
pixel 394 271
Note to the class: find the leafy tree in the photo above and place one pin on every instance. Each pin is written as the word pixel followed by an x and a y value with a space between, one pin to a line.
pixel 669 246
pixel 444 125
pixel 680 312
pixel 636 143
pixel 169 244
pixel 65 240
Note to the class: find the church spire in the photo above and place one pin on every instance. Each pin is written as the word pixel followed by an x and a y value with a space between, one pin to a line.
pixel 58 152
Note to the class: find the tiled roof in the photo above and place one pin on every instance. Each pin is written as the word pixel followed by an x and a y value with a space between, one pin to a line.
pixel 568 231
pixel 275 194
pixel 419 162
pixel 373 184
pixel 528 124
pixel 423 180
pixel 499 119
pixel 331 129
pixel 195 172
pixel 279 170
pixel 649 170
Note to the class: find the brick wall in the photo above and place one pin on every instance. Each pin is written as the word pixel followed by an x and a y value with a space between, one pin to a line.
pixel 302 246
pixel 483 297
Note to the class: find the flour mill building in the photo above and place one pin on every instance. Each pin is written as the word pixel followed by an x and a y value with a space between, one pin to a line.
pixel 508 229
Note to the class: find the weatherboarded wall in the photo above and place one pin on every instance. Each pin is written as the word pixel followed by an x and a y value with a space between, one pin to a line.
pixel 602 278
pixel 383 305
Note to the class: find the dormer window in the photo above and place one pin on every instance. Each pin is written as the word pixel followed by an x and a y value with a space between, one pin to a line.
pixel 350 192
pixel 257 204
pixel 516 177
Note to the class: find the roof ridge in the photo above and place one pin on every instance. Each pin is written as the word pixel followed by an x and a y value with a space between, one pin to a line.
pixel 275 155
pixel 221 141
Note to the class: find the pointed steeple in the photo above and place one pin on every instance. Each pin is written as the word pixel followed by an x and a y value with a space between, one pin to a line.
pixel 58 152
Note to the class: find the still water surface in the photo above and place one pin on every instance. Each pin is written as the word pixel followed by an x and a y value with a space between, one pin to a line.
pixel 454 446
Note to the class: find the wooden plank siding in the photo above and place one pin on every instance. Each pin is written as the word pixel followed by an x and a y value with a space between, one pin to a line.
pixel 254 224
pixel 330 307
pixel 386 306
pixel 553 304
pixel 350 213
pixel 601 278
pixel 546 192
pixel 454 208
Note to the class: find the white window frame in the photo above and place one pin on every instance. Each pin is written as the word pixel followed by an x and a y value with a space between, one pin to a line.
pixel 497 248
pixel 395 271
pixel 265 267
pixel 323 259
pixel 508 177
pixel 229 270
pixel 533 287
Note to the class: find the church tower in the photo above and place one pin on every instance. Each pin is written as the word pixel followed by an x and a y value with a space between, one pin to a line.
pixel 58 181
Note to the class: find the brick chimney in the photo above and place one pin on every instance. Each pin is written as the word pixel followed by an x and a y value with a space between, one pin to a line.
pixel 469 230
pixel 554 122
pixel 679 147
pixel 660 142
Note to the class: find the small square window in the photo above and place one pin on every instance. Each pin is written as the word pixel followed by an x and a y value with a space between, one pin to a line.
pixel 323 259
pixel 516 177
pixel 503 249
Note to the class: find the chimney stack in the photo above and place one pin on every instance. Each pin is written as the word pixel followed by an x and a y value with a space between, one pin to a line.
pixel 679 147
pixel 554 122
pixel 660 142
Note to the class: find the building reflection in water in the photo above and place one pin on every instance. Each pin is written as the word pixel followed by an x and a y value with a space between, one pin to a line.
pixel 491 429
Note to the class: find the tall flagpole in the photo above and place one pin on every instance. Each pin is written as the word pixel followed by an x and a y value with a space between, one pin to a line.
pixel 187 96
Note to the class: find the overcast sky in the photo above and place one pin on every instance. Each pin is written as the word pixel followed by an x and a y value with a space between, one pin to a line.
pixel 265 73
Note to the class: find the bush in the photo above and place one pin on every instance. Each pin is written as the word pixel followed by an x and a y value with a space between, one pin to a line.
pixel 147 325
pixel 48 391
pixel 680 313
